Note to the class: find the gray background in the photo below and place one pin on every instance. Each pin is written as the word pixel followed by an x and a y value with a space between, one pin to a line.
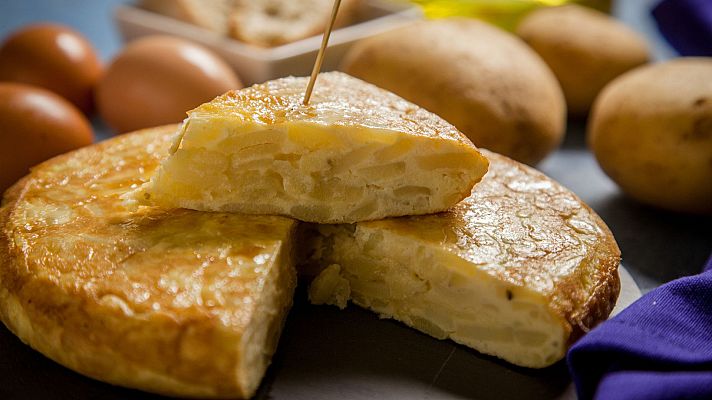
pixel 326 353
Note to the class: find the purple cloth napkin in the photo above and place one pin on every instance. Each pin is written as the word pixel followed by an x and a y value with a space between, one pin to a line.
pixel 658 348
pixel 687 25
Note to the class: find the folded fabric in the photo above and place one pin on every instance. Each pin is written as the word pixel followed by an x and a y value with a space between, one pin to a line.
pixel 687 25
pixel 658 348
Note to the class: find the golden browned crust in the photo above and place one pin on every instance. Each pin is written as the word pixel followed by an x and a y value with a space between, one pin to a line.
pixel 525 229
pixel 338 99
pixel 355 153
pixel 162 300
pixel 79 280
pixel 595 300
pixel 599 304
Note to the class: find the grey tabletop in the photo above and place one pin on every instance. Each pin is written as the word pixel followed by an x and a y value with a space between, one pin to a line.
pixel 326 353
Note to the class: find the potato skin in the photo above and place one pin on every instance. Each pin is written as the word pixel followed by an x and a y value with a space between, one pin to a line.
pixel 584 48
pixel 651 132
pixel 483 80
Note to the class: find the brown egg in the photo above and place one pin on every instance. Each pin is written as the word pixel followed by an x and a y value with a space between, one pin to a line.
pixel 53 57
pixel 35 125
pixel 157 79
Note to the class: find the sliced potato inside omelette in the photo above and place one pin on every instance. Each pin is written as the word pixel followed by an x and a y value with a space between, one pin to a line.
pixel 172 301
pixel 355 153
pixel 518 270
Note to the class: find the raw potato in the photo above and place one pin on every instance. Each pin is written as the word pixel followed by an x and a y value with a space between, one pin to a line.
pixel 584 48
pixel 484 81
pixel 651 131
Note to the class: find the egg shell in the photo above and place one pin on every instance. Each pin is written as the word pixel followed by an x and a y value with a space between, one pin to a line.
pixel 157 79
pixel 35 125
pixel 54 57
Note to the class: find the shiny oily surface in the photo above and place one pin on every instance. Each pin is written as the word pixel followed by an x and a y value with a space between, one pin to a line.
pixel 35 125
pixel 338 99
pixel 355 153
pixel 156 79
pixel 179 285
pixel 70 218
pixel 526 230
pixel 54 57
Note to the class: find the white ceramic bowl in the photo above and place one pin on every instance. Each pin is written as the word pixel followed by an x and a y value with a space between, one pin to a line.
pixel 255 64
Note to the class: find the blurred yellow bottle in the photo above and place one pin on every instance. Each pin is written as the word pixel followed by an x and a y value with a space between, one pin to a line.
pixel 505 13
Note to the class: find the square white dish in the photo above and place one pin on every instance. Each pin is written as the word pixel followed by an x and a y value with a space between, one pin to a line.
pixel 256 64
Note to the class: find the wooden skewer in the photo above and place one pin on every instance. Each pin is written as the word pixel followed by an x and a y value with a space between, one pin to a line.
pixel 322 50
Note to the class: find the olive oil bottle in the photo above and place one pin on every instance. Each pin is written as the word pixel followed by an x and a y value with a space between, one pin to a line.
pixel 505 13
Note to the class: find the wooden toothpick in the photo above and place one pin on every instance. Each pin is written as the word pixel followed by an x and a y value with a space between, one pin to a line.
pixel 322 50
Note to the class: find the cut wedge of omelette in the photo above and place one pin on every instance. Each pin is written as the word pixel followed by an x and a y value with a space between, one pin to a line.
pixel 191 303
pixel 355 153
pixel 176 302
pixel 518 270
